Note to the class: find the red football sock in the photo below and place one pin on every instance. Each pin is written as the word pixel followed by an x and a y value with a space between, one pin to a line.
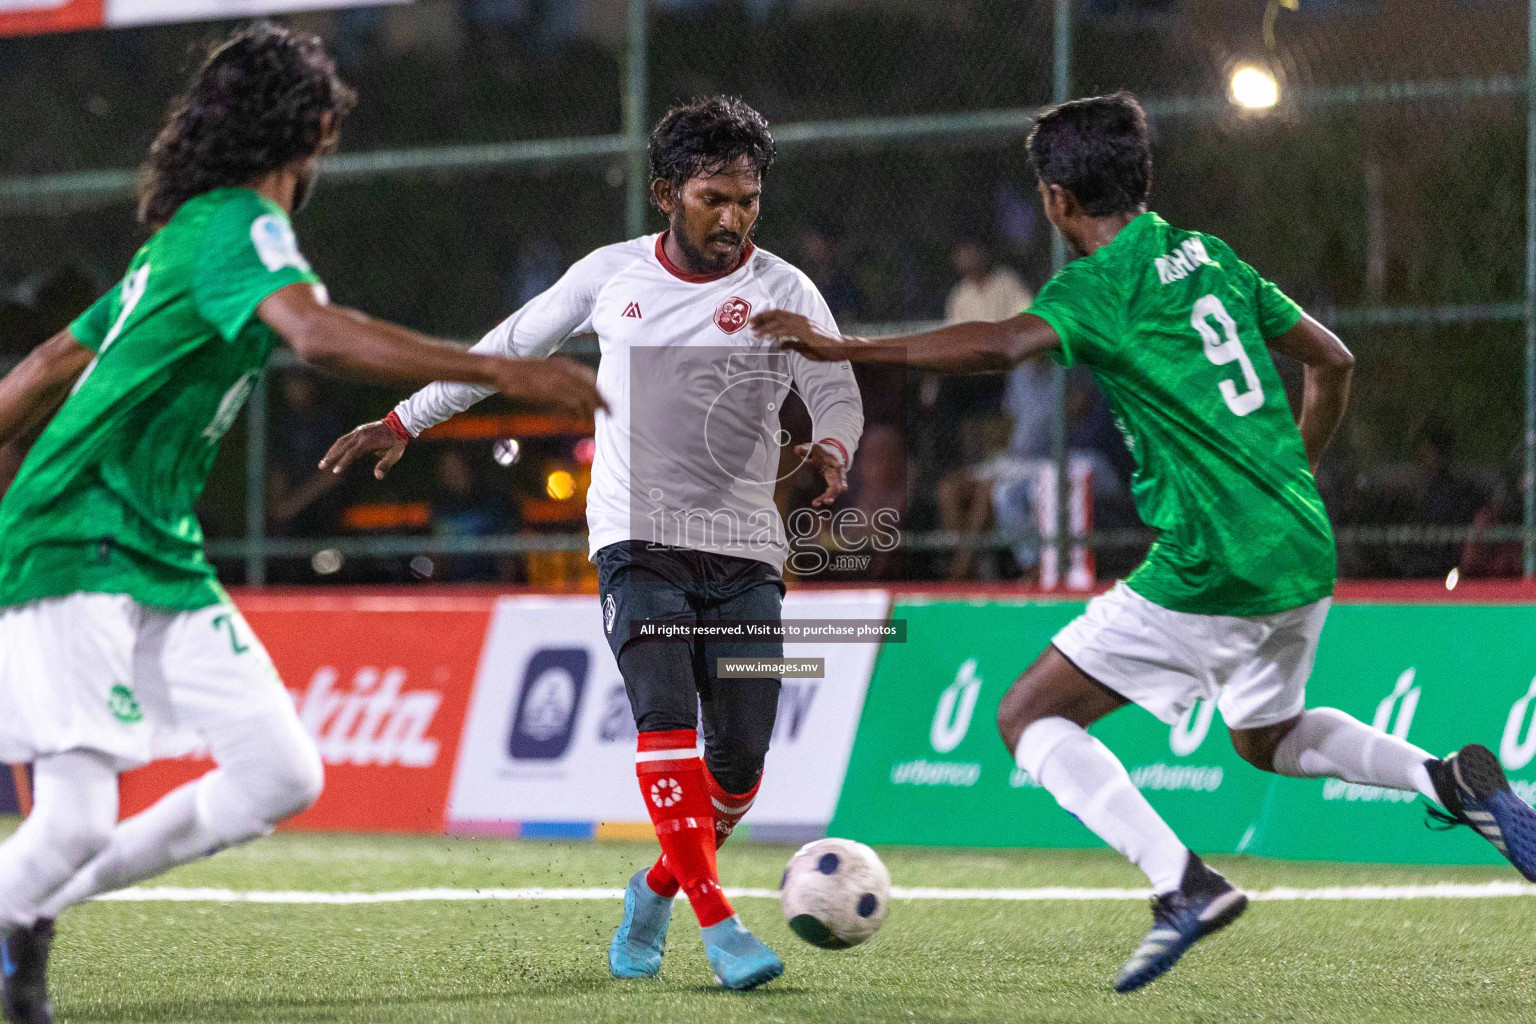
pixel 729 809
pixel 675 789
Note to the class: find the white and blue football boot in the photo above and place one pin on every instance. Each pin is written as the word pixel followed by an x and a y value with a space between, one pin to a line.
pixel 739 958
pixel 1475 792
pixel 638 945
pixel 1204 902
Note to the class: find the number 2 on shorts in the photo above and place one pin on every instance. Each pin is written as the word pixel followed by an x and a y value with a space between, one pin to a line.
pixel 227 623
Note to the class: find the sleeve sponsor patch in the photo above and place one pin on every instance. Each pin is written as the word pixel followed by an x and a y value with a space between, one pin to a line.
pixel 275 244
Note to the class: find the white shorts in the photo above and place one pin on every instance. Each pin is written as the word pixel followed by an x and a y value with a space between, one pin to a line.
pixel 1255 669
pixel 103 672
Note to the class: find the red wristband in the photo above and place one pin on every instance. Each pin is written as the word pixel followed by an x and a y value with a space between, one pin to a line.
pixel 839 446
pixel 392 421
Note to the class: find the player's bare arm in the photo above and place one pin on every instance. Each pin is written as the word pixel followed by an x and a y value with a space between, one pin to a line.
pixel 344 340
pixel 960 348
pixel 39 383
pixel 1325 390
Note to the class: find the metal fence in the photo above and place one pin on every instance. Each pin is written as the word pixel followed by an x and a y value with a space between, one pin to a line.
pixel 1382 190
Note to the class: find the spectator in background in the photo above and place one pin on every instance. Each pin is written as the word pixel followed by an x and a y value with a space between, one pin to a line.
pixel 40 308
pixel 962 406
pixel 1504 507
pixel 356 31
pixel 958 405
pixel 499 14
pixel 985 291
pixel 1003 490
pixel 525 28
pixel 822 263
pixel 758 10
pixel 539 265
pixel 462 508
pixel 878 487
pixel 1442 496
pixel 302 499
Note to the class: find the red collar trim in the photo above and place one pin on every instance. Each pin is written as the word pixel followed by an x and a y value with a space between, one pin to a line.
pixel 683 275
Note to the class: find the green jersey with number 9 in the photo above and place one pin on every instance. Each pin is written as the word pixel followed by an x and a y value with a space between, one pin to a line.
pixel 104 501
pixel 1173 326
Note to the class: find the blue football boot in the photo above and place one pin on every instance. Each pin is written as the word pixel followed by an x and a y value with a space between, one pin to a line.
pixel 1204 902
pixel 1472 787
pixel 740 960
pixel 637 946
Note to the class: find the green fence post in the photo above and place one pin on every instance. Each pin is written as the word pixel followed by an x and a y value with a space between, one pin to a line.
pixel 1061 91
pixel 636 87
pixel 1529 482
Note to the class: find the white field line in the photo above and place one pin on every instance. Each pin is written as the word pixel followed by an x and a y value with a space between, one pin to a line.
pixel 169 894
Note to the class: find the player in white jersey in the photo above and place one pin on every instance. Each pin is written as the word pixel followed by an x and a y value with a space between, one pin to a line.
pixel 681 511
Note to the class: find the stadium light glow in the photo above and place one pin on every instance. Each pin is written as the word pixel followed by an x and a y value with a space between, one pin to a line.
pixel 560 485
pixel 1254 88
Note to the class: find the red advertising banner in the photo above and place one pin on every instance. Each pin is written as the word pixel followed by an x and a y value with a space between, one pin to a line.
pixel 28 17
pixel 383 684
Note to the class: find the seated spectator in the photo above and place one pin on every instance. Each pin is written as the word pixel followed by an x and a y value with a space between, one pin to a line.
pixel 1442 496
pixel 1002 490
pixel 877 487
pixel 958 412
pixel 1505 507
pixel 461 508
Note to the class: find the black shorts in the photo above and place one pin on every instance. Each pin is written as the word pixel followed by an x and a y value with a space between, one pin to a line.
pixel 673 684
pixel 637 581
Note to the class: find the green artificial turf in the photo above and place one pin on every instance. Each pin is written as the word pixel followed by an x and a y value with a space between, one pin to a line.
pixel 971 961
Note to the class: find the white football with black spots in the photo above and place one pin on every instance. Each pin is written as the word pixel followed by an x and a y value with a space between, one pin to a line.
pixel 835 893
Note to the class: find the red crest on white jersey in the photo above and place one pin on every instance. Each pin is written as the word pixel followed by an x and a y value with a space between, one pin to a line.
pixel 732 315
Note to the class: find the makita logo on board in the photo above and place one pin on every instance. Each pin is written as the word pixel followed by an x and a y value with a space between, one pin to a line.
pixel 373 721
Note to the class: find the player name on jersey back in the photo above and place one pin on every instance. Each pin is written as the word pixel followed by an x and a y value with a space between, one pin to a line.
pixel 1180 263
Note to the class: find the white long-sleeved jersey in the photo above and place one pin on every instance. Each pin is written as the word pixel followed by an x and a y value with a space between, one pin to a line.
pixel 692 448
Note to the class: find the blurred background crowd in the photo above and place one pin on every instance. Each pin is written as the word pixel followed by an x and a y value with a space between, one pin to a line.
pixel 1384 192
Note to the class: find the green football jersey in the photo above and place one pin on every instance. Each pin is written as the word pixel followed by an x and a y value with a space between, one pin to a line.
pixel 104 501
pixel 1173 326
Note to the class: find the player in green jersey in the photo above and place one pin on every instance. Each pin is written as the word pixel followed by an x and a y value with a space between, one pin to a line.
pixel 1229 603
pixel 117 644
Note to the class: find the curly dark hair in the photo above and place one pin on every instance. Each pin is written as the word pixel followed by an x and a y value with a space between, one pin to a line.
pixel 704 136
pixel 256 104
pixel 1098 149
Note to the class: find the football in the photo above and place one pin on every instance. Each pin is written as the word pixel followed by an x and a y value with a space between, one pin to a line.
pixel 835 893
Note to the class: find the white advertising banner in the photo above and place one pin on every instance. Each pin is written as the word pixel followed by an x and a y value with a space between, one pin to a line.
pixel 549 736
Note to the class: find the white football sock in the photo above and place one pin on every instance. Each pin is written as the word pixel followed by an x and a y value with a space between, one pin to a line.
pixel 74 806
pixel 1328 743
pixel 169 833
pixel 267 771
pixel 1090 782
